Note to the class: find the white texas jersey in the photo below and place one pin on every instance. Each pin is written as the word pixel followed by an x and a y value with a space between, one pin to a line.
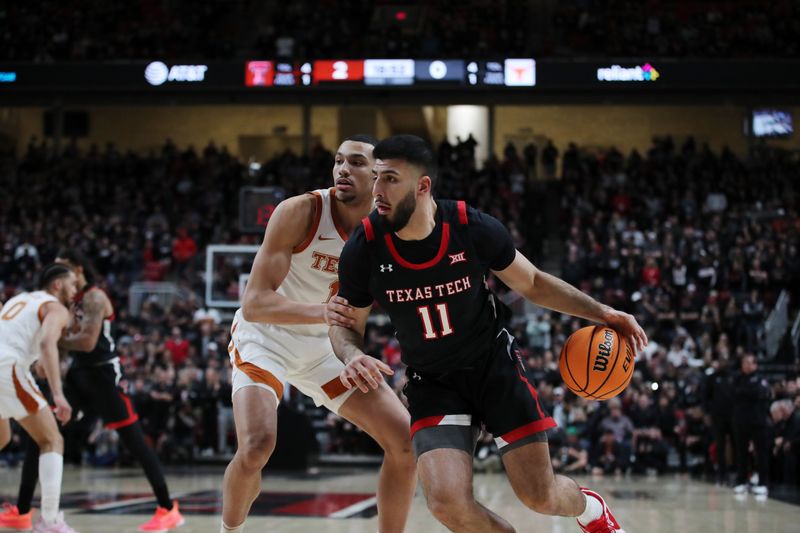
pixel 20 327
pixel 313 275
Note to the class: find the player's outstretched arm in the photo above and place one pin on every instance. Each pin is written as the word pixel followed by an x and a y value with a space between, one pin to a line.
pixel 287 228
pixel 54 320
pixel 96 307
pixel 553 293
pixel 348 341
pixel 361 370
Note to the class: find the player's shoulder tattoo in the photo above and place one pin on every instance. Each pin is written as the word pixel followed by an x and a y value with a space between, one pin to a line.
pixel 94 303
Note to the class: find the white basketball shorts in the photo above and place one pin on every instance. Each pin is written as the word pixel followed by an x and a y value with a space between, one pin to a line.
pixel 270 356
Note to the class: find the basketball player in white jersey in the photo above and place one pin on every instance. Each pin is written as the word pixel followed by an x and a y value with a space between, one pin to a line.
pixel 30 325
pixel 280 335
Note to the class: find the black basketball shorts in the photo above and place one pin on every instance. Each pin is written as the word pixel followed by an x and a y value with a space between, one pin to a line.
pixel 447 410
pixel 95 390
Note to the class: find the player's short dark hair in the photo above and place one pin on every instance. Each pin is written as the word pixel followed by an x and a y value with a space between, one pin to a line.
pixel 410 148
pixel 77 258
pixel 362 138
pixel 52 272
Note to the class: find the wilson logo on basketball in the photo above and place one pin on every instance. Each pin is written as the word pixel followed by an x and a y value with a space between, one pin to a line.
pixel 596 363
pixel 604 352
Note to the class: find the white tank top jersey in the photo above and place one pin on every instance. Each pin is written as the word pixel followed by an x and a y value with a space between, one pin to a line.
pixel 21 328
pixel 313 275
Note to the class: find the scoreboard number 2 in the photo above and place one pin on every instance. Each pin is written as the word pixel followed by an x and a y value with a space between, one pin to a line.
pixel 340 70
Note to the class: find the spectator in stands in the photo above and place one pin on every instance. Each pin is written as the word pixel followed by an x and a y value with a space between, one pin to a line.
pixel 181 440
pixel 649 448
pixel 573 456
pixel 102 446
pixel 177 347
pixel 719 404
pixel 162 398
pixel 620 427
pixel 751 407
pixel 696 440
pixel 609 455
pixel 183 249
pixel 786 441
pixel 549 160
pixel 225 427
pixel 753 313
pixel 207 400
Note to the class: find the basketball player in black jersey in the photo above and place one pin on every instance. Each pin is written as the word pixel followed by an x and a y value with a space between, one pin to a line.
pixel 425 262
pixel 92 386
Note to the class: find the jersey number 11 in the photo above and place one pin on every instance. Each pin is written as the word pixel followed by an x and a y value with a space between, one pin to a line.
pixel 427 322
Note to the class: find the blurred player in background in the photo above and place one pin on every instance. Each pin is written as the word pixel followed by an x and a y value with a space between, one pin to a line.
pixel 93 386
pixel 281 335
pixel 425 262
pixel 30 325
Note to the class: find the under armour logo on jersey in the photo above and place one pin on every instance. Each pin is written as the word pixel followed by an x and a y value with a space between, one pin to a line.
pixel 457 258
pixel 416 376
pixel 386 268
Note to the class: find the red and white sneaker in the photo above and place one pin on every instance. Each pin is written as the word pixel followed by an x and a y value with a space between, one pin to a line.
pixel 606 523
pixel 164 520
pixel 11 519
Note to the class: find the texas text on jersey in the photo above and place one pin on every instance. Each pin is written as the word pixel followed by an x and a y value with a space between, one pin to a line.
pixel 434 290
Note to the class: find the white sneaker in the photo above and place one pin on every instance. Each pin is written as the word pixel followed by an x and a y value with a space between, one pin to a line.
pixel 740 489
pixel 760 490
pixel 59 526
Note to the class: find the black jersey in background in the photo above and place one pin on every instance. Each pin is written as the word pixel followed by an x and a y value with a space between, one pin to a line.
pixel 103 351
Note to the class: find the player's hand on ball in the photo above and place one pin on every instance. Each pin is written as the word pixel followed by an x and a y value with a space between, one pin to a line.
pixel 62 410
pixel 364 372
pixel 338 312
pixel 626 325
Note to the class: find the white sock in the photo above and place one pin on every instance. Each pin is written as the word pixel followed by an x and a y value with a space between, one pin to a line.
pixel 228 529
pixel 51 469
pixel 593 511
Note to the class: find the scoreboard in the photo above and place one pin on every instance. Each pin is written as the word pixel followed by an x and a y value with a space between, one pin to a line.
pixel 520 75
pixel 395 72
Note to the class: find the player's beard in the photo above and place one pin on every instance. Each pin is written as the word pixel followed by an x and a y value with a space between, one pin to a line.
pixel 401 213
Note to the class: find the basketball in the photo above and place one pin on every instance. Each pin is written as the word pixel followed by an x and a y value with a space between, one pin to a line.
pixel 596 363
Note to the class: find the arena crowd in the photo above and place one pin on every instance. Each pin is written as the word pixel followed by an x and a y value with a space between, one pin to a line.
pixel 93 30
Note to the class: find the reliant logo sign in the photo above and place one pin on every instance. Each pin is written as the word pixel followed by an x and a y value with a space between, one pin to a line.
pixel 645 72
pixel 158 73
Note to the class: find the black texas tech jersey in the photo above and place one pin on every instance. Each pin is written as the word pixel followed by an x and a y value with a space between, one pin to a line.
pixel 434 290
pixel 104 350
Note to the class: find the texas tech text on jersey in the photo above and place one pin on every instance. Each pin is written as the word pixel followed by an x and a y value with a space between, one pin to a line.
pixel 428 292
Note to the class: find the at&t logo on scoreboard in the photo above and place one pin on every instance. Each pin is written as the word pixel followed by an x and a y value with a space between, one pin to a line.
pixel 157 73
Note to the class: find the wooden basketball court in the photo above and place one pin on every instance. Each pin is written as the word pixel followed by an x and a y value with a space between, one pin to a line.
pixel 343 501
